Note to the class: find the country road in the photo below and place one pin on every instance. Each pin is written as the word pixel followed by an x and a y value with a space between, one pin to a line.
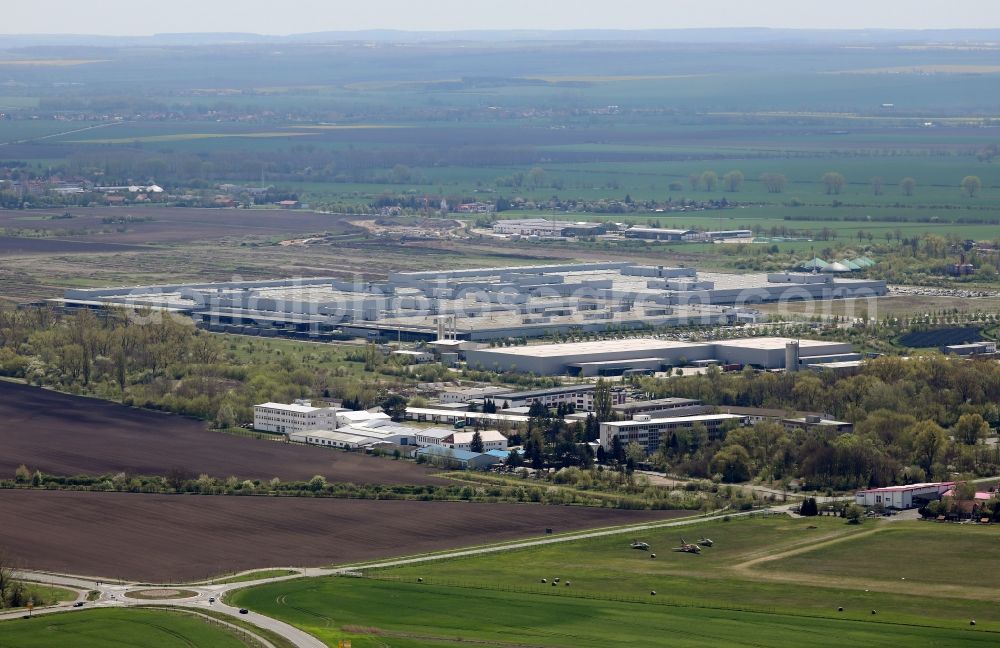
pixel 114 594
pixel 61 133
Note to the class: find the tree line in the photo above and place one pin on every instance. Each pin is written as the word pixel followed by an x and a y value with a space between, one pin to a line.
pixel 914 420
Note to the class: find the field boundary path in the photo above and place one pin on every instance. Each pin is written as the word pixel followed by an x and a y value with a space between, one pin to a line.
pixel 210 596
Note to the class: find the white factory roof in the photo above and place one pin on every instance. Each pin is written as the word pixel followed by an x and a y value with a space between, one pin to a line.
pixel 772 343
pixel 647 344
pixel 487 435
pixel 291 407
pixel 436 433
pixel 598 346
pixel 361 416
pixel 675 419
pixel 339 436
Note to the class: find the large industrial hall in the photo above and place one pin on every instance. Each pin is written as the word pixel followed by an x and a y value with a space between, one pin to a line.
pixel 483 304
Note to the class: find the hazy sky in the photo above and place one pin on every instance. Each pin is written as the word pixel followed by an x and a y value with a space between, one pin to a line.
pixel 128 17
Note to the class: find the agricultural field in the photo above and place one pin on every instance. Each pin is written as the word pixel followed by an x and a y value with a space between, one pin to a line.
pixel 116 627
pixel 61 434
pixel 177 538
pixel 767 582
pixel 149 225
pixel 891 306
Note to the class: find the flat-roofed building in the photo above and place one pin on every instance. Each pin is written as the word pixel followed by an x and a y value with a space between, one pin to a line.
pixel 333 439
pixel 437 415
pixel 468 394
pixel 432 436
pixel 462 459
pixel 492 440
pixel 584 358
pixel 659 406
pixel 294 417
pixel 657 233
pixel 648 432
pixel 902 497
pixel 581 397
pixel 971 348
pixel 479 303
pixel 812 422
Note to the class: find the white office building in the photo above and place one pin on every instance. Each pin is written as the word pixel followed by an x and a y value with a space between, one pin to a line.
pixel 648 432
pixel 293 418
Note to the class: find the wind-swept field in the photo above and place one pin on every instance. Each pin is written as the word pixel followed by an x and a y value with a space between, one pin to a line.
pixel 744 591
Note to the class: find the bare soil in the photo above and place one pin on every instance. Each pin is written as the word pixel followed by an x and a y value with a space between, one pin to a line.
pixel 61 434
pixel 168 225
pixel 178 538
pixel 17 246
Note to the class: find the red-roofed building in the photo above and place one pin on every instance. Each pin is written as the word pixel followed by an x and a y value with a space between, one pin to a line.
pixel 966 507
pixel 902 497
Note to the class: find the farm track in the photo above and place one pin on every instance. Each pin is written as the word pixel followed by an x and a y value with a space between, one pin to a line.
pixel 753 569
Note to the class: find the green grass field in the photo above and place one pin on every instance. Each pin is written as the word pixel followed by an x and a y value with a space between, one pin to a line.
pixel 732 594
pixel 116 628
pixel 936 555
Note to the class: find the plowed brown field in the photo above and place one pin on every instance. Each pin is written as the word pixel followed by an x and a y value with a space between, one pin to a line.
pixel 62 434
pixel 173 538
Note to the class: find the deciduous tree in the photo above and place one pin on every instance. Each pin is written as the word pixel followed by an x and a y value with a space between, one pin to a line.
pixel 834 182
pixel 733 180
pixel 971 185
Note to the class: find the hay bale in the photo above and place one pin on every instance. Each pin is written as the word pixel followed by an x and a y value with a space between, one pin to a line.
pixel 652 593
pixel 544 581
pixel 652 555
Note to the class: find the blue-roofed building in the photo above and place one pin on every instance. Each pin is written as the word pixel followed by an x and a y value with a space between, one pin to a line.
pixel 459 458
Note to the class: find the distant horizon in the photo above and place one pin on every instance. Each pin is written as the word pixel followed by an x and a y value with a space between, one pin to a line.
pixel 119 18
pixel 511 30
pixel 751 35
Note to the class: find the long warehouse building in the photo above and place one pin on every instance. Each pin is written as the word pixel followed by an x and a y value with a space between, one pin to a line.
pixel 614 357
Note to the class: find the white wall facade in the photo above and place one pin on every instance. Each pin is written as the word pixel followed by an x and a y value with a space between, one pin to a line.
pixel 292 419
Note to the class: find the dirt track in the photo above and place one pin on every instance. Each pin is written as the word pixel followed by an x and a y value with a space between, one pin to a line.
pixel 70 435
pixel 169 538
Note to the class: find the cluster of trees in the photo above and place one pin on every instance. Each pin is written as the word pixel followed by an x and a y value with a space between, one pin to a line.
pixel 906 186
pixel 731 181
pixel 914 420
pixel 962 504
pixel 164 363
pixel 14 593
pixel 605 489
